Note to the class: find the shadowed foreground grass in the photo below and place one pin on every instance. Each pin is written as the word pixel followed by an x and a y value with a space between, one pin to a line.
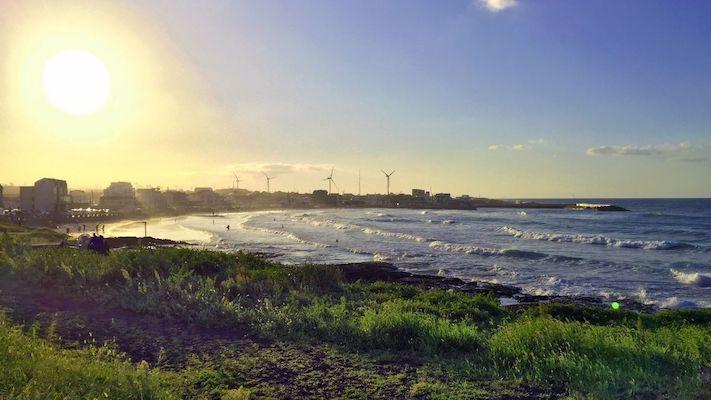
pixel 464 346
pixel 34 368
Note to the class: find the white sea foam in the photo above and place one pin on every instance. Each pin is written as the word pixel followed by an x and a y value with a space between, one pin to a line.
pixel 692 278
pixel 354 227
pixel 284 233
pixel 381 257
pixel 595 239
pixel 484 251
pixel 674 302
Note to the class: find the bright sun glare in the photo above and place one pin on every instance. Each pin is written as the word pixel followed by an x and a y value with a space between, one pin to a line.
pixel 77 82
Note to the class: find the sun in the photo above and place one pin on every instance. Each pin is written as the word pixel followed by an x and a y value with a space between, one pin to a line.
pixel 77 82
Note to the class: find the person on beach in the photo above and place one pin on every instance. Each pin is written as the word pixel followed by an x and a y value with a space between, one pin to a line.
pixel 98 244
pixel 103 246
pixel 228 227
pixel 93 242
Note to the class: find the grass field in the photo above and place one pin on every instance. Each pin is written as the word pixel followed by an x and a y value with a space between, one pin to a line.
pixel 30 235
pixel 376 340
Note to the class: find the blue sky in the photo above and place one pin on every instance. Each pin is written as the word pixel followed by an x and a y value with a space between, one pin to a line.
pixel 501 97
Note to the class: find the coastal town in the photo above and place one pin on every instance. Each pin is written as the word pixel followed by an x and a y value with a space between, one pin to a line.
pixel 52 200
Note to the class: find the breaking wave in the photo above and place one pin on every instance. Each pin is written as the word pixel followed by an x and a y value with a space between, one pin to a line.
pixel 674 302
pixel 354 227
pixel 285 234
pixel 486 251
pixel 692 278
pixel 596 240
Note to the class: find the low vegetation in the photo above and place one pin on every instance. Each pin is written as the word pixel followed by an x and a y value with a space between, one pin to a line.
pixel 460 346
pixel 34 368
pixel 30 235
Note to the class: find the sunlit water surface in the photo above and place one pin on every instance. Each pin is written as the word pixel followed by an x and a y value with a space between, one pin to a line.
pixel 660 252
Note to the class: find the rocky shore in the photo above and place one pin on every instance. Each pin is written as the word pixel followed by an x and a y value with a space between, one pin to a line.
pixel 510 296
pixel 373 271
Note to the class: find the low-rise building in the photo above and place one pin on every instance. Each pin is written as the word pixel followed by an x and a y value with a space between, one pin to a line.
pixel 206 198
pixel 420 193
pixel 79 199
pixel 176 200
pixel 119 196
pixel 151 200
pixel 27 199
pixel 47 196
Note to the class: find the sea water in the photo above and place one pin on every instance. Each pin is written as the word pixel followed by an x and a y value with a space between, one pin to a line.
pixel 659 252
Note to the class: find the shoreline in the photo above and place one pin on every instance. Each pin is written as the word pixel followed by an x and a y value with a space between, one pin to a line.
pixel 372 271
pixel 61 225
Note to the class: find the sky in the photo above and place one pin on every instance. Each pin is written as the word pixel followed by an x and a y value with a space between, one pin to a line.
pixel 498 98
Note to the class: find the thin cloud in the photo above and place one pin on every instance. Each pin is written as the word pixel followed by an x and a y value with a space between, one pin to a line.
pixel 632 150
pixel 497 5
pixel 516 147
pixel 277 168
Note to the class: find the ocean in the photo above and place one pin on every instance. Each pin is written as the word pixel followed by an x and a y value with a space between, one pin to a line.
pixel 658 253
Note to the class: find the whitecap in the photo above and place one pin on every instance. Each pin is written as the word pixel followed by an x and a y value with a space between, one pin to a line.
pixel 692 278
pixel 380 257
pixel 595 239
pixel 674 302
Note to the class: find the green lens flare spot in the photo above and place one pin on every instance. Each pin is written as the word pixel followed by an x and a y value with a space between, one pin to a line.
pixel 615 305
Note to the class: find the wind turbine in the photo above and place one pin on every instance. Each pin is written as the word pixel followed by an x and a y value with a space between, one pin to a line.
pixel 330 181
pixel 387 176
pixel 269 178
pixel 235 181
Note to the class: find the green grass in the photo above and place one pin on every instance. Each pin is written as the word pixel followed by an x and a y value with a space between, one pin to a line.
pixel 30 235
pixel 464 344
pixel 609 361
pixel 34 368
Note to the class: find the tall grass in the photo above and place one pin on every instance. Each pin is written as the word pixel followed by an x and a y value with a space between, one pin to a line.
pixel 33 368
pixel 590 352
pixel 610 361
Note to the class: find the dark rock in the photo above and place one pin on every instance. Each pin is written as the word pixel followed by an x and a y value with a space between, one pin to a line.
pixel 133 241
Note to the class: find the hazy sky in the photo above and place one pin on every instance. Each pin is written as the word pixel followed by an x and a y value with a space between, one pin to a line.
pixel 500 98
